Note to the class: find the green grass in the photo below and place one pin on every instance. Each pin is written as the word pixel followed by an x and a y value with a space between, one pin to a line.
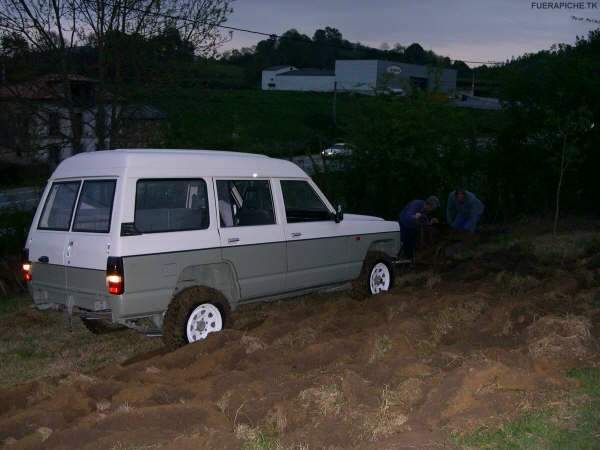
pixel 540 430
pixel 35 344
pixel 272 122
pixel 11 304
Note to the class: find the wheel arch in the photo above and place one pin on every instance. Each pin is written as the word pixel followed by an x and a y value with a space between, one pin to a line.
pixel 388 247
pixel 220 277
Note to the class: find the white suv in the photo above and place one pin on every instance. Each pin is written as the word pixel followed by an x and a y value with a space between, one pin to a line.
pixel 178 238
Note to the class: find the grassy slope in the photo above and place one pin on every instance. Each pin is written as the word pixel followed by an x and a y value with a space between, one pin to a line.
pixel 580 429
pixel 277 123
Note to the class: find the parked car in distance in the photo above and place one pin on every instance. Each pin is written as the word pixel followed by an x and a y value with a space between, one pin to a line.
pixel 339 149
pixel 171 241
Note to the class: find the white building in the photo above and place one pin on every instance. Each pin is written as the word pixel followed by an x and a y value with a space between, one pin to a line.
pixel 315 80
pixel 270 73
pixel 364 76
pixel 51 118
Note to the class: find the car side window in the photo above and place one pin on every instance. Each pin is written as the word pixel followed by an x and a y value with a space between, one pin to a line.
pixel 245 203
pixel 94 208
pixel 163 205
pixel 302 203
pixel 59 205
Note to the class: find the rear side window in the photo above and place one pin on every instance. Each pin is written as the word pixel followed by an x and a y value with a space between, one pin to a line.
pixel 302 203
pixel 171 205
pixel 59 205
pixel 94 208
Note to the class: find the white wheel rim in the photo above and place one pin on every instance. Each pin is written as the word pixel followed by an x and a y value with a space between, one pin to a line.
pixel 379 281
pixel 204 319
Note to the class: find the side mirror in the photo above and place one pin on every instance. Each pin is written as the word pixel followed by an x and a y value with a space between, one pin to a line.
pixel 339 214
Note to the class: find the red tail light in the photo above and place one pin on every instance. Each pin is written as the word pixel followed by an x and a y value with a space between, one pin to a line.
pixel 115 279
pixel 26 265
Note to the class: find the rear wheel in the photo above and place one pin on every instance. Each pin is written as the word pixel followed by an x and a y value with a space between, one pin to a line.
pixel 192 315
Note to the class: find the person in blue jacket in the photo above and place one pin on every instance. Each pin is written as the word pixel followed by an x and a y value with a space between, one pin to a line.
pixel 463 210
pixel 413 215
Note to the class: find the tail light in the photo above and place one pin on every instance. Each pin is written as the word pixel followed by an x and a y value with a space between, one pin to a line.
pixel 26 265
pixel 115 278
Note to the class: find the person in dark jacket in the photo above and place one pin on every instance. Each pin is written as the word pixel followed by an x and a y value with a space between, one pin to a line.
pixel 463 210
pixel 415 214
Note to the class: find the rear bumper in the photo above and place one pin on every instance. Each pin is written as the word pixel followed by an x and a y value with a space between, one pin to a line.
pixel 106 314
pixel 74 302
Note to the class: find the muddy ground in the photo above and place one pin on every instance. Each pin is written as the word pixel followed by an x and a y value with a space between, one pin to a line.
pixel 472 342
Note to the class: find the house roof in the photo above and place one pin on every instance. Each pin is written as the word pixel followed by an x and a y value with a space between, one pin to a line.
pixel 308 73
pixel 278 67
pixel 46 87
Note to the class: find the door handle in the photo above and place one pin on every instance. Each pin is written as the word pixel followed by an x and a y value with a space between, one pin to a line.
pixel 44 259
pixel 233 240
pixel 296 234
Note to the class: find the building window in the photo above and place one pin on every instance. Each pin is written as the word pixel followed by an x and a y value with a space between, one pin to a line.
pixel 271 85
pixel 77 126
pixel 53 124
pixel 420 83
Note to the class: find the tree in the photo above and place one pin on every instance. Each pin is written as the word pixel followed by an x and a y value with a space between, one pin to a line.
pixel 62 28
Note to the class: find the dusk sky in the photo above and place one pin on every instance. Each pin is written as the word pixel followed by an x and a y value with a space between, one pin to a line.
pixel 479 30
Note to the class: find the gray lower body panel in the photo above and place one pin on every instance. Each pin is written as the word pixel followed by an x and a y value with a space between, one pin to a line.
pixel 244 273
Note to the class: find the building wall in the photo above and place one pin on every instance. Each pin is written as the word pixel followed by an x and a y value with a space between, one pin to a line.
pixel 314 83
pixel 365 76
pixel 269 77
pixel 400 75
pixel 356 75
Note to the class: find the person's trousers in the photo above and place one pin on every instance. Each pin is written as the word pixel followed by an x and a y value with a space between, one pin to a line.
pixel 409 241
pixel 466 223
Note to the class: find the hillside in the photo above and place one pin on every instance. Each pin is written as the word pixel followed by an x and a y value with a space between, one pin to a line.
pixel 495 348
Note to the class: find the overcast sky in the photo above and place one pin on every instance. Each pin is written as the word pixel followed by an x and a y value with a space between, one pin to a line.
pixel 478 30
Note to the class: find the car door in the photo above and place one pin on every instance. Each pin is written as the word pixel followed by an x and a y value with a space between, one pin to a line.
pixel 252 239
pixel 89 241
pixel 48 242
pixel 317 250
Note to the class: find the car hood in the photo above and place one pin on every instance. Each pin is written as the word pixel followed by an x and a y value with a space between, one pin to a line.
pixel 361 218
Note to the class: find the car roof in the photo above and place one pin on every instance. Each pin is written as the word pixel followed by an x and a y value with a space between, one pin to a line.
pixel 176 163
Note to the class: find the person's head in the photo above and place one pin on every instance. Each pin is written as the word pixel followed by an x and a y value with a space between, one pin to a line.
pixel 460 194
pixel 432 203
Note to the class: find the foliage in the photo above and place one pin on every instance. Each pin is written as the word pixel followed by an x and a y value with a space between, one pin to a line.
pixel 14 225
pixel 322 50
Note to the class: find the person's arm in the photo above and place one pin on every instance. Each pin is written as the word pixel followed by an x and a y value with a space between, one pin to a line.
pixel 409 218
pixel 476 206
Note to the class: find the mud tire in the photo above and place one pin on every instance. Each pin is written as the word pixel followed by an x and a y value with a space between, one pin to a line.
pixel 361 287
pixel 180 308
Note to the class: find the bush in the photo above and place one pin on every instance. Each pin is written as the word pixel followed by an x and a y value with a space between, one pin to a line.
pixel 14 225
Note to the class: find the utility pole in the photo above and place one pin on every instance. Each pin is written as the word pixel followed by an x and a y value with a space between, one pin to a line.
pixel 473 82
pixel 334 103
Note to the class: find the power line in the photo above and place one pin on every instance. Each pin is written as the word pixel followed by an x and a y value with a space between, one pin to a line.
pixel 274 36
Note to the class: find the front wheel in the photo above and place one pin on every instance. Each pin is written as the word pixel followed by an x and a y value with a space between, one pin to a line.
pixel 377 276
pixel 380 278
pixel 192 315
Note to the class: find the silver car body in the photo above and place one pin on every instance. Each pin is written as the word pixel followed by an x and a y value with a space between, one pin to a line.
pixel 245 264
